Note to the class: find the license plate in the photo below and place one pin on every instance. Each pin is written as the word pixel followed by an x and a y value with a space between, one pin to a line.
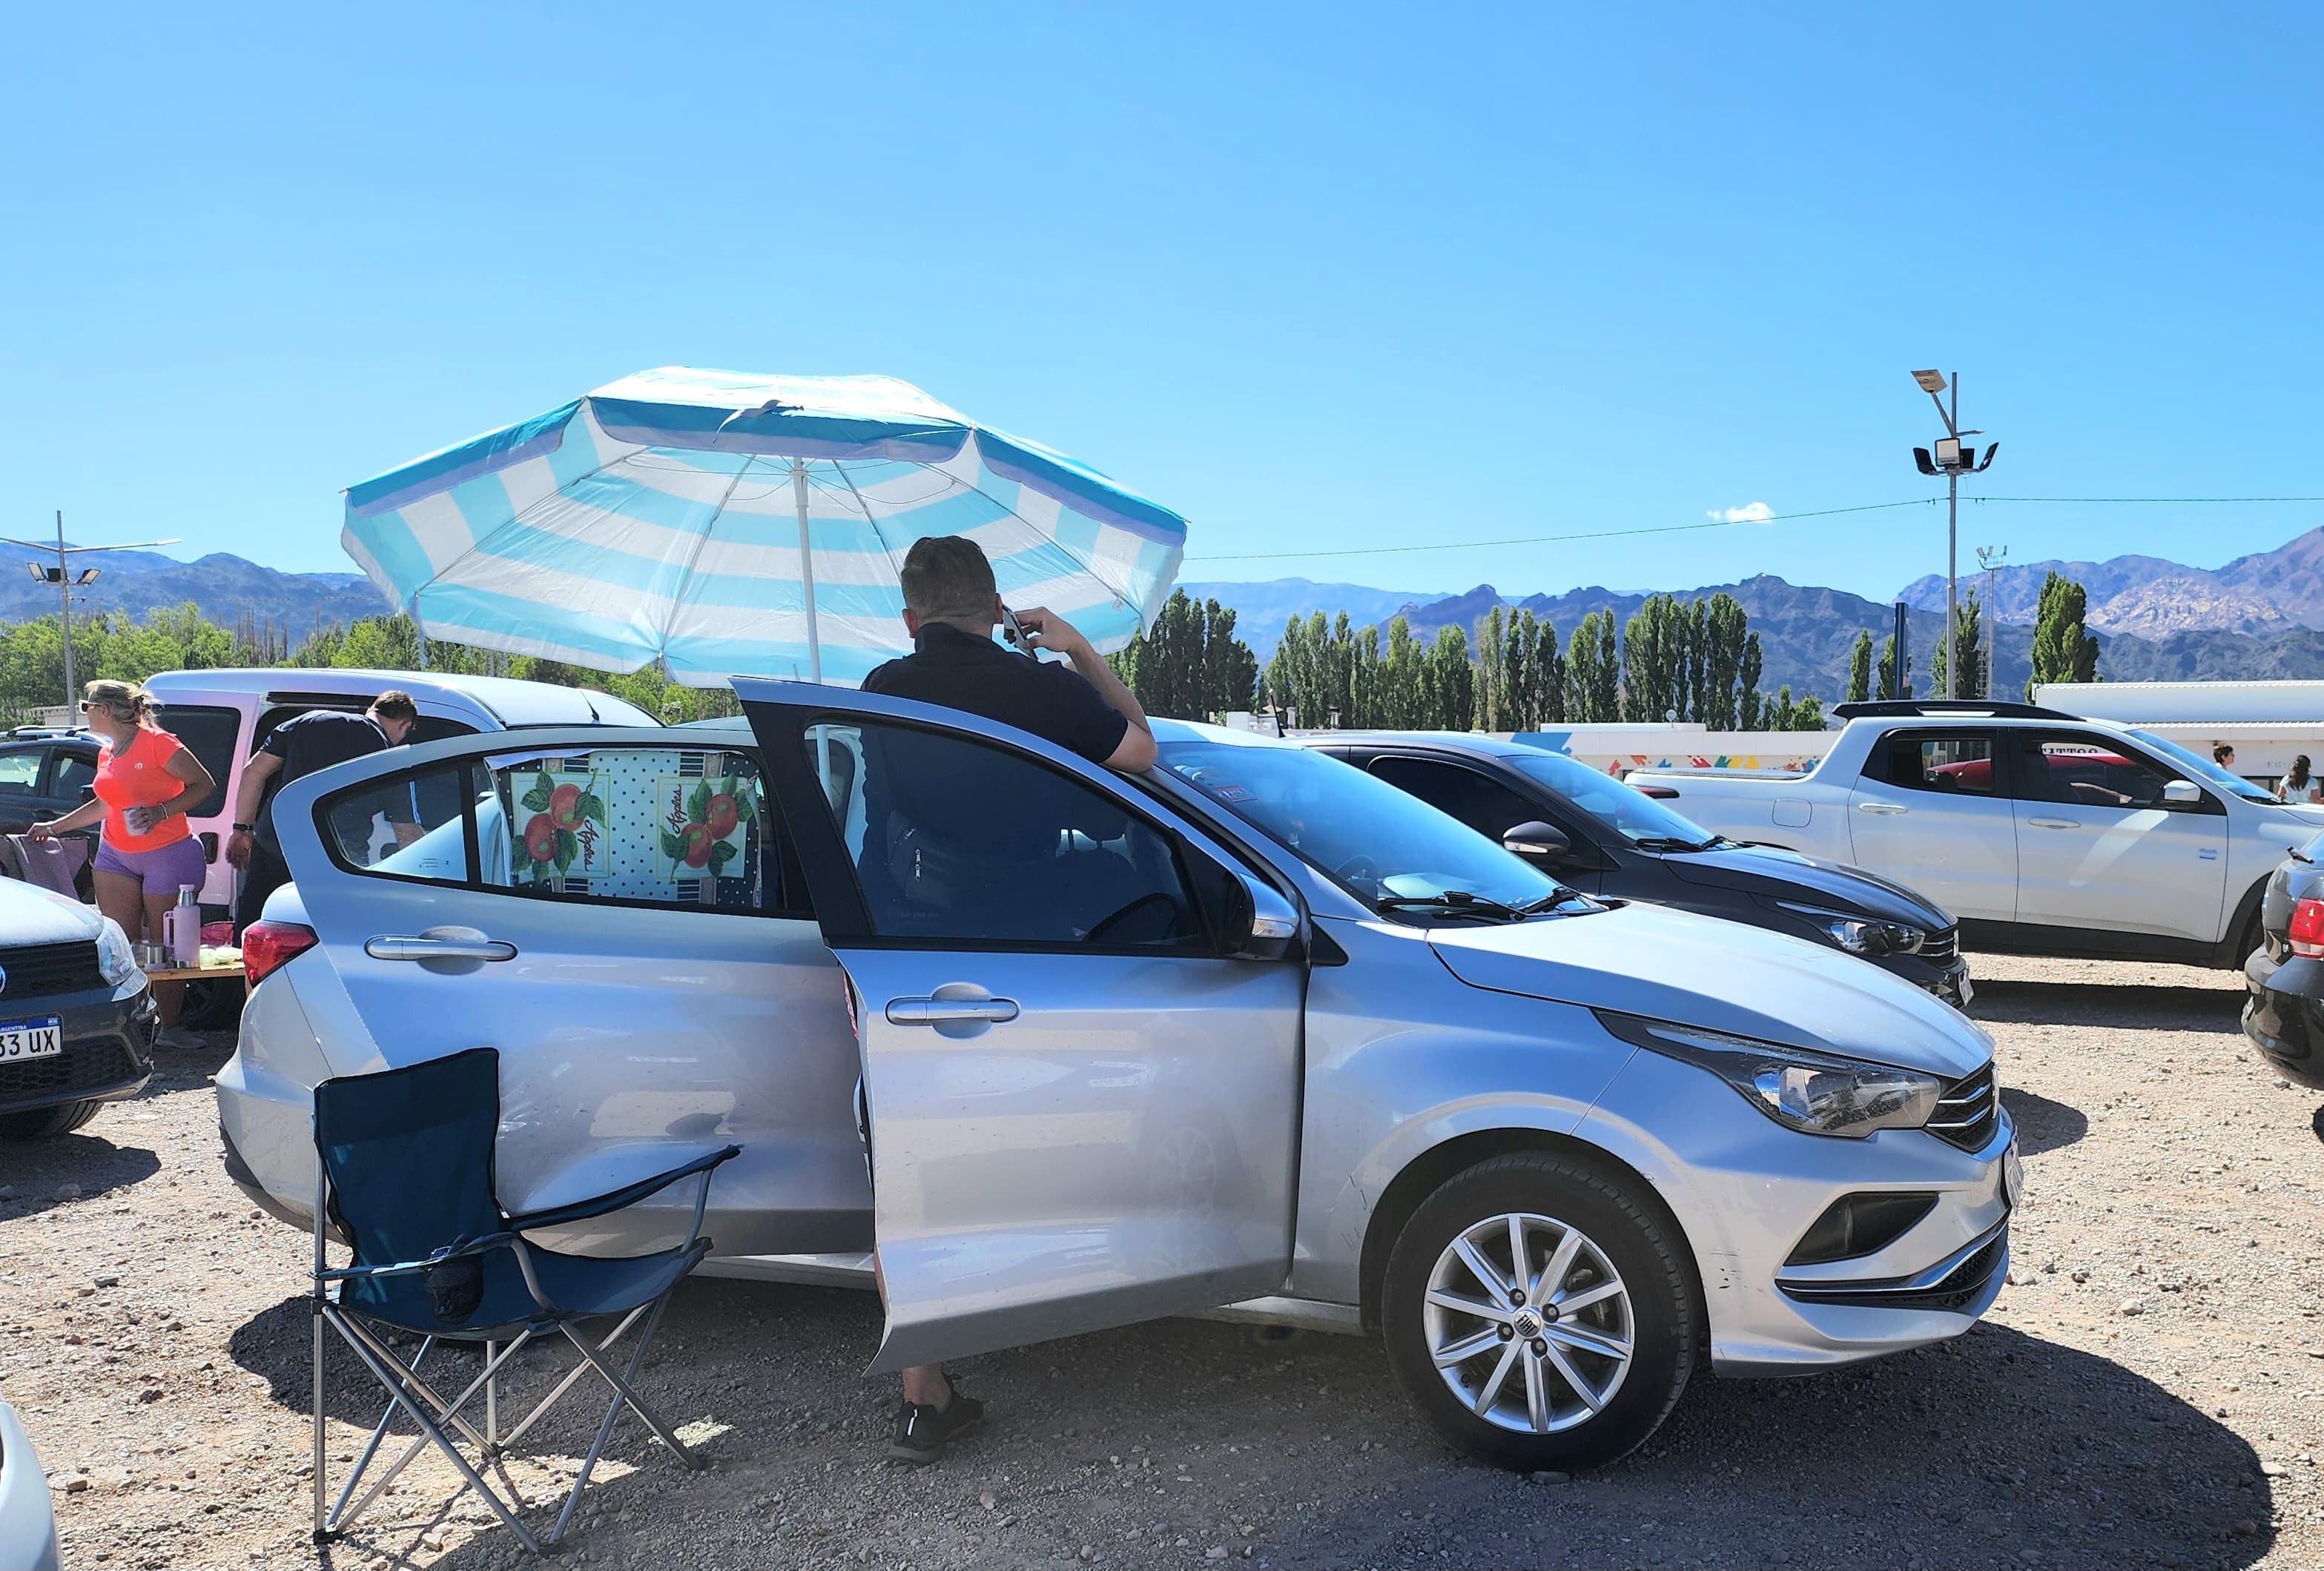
pixel 2013 1177
pixel 27 1039
pixel 1968 991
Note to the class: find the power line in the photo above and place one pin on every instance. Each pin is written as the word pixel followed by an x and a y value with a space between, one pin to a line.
pixel 1737 523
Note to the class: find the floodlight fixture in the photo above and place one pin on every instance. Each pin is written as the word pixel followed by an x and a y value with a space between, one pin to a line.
pixel 89 575
pixel 1921 457
pixel 1990 449
pixel 1931 381
pixel 1949 454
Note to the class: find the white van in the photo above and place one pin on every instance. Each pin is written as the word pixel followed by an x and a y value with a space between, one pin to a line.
pixel 224 714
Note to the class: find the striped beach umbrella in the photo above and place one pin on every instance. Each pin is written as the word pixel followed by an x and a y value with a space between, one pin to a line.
pixel 718 522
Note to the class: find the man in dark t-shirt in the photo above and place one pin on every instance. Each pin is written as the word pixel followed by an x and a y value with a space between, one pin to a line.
pixel 293 750
pixel 951 606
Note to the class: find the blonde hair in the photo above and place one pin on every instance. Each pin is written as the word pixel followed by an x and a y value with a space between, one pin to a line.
pixel 125 700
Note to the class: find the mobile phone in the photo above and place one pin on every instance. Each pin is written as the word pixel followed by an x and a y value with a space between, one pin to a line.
pixel 1015 632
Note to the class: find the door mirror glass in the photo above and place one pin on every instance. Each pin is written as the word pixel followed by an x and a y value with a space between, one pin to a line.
pixel 1544 842
pixel 2183 794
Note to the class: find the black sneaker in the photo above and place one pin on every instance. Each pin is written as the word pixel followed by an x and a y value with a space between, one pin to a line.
pixel 922 1432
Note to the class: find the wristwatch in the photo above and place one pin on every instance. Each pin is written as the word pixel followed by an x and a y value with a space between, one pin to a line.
pixel 245 829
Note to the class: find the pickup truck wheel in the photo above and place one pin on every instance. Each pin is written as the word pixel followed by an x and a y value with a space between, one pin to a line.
pixel 43 1123
pixel 1540 1314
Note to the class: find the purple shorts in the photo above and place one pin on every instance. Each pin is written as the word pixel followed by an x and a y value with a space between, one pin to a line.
pixel 163 870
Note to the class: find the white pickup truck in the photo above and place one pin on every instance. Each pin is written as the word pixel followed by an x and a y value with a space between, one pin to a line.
pixel 2044 833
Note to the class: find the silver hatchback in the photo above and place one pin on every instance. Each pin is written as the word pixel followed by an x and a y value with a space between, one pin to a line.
pixel 1252 1026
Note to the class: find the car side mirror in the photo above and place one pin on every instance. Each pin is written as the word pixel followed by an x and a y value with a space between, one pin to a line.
pixel 87 794
pixel 2183 794
pixel 1260 924
pixel 1538 841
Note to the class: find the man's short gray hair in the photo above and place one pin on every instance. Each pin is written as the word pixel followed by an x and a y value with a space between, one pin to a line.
pixel 947 575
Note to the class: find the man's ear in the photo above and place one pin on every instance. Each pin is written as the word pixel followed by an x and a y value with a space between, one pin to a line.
pixel 911 622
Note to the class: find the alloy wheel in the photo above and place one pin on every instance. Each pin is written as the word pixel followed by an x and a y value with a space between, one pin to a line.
pixel 1528 1323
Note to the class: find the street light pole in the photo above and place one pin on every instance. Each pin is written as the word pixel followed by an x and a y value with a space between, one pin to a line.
pixel 1952 461
pixel 66 581
pixel 1990 559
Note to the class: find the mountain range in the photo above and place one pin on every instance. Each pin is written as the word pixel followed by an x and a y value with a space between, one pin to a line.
pixel 2259 616
pixel 2156 620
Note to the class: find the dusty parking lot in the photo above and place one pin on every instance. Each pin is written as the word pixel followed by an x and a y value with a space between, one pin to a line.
pixel 2150 1390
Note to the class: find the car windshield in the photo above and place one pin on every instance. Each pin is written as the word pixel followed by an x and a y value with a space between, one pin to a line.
pixel 1386 846
pixel 1637 817
pixel 2202 769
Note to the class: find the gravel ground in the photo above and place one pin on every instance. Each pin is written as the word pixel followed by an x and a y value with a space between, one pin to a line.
pixel 2146 1392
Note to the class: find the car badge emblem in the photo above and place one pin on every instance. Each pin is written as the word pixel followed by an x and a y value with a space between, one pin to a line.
pixel 4 980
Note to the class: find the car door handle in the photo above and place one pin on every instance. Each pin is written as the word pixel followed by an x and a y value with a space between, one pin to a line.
pixel 2054 823
pixel 398 947
pixel 1885 809
pixel 949 1011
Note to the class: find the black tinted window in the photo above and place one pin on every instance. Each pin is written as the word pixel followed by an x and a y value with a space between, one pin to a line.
pixel 955 839
pixel 2086 771
pixel 1953 763
pixel 72 775
pixel 1484 805
pixel 212 734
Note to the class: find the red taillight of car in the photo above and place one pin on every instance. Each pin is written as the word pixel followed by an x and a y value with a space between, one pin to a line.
pixel 2307 928
pixel 267 946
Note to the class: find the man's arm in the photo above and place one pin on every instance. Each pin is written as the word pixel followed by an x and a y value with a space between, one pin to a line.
pixel 261 767
pixel 1135 752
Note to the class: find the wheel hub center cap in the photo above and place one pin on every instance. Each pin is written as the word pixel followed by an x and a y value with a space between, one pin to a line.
pixel 1528 1323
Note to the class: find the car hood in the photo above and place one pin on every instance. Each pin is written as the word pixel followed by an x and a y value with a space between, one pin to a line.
pixel 30 914
pixel 1697 970
pixel 1786 875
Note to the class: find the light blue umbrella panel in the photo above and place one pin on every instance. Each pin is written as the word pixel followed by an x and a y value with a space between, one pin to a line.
pixel 720 522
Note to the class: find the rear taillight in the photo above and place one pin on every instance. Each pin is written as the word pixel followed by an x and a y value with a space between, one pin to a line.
pixel 267 946
pixel 2307 928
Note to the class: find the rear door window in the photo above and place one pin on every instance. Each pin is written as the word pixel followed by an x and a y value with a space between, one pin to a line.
pixel 1948 763
pixel 71 774
pixel 20 770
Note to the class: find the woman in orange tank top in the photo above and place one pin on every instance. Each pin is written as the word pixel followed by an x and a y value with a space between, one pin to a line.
pixel 147 780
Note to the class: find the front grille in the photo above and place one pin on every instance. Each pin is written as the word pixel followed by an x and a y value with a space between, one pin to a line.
pixel 1966 1114
pixel 35 971
pixel 1941 947
pixel 83 1066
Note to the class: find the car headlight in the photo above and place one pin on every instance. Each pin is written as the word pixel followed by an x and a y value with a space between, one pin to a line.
pixel 115 961
pixel 1815 1093
pixel 1864 935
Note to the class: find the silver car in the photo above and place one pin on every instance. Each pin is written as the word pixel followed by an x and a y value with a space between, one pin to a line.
pixel 1252 1026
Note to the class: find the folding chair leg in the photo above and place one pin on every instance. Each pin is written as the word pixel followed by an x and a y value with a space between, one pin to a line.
pixel 321 1484
pixel 621 1394
pixel 343 1514
pixel 566 1384
pixel 380 1372
pixel 492 1402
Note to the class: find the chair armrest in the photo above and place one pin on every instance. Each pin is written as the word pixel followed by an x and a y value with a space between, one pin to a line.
pixel 459 1251
pixel 629 1195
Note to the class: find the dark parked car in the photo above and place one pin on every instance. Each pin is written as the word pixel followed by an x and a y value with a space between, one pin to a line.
pixel 43 775
pixel 2285 1016
pixel 1603 837
pixel 76 1017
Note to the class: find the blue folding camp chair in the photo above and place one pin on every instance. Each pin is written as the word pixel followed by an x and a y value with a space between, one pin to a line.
pixel 404 1172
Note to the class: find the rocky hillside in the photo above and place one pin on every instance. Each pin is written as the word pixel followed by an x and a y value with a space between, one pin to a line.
pixel 2263 595
pixel 223 586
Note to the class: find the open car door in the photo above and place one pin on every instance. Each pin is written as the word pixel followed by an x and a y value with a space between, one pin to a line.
pixel 1080 1018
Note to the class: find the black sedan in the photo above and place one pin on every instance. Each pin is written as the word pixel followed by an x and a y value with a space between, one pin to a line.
pixel 1602 836
pixel 2285 1016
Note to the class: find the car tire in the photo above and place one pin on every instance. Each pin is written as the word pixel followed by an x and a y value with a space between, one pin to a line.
pixel 1551 1399
pixel 45 1123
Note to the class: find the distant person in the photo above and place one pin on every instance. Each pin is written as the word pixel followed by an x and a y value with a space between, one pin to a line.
pixel 2224 756
pixel 2299 786
pixel 147 780
pixel 295 750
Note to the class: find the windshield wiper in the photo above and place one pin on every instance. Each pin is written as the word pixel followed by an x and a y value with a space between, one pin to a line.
pixel 1551 902
pixel 1671 842
pixel 1452 903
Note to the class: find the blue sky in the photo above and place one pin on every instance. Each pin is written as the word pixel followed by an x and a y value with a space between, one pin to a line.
pixel 1320 277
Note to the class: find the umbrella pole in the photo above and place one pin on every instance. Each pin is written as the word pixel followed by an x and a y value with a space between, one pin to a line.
pixel 806 570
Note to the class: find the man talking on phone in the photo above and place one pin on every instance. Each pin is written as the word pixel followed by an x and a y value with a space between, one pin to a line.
pixel 951 607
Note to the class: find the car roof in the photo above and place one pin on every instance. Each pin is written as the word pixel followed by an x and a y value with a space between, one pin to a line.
pixel 513 701
pixel 1167 731
pixel 1476 744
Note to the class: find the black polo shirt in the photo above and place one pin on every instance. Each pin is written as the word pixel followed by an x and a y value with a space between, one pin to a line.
pixel 314 740
pixel 1048 698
